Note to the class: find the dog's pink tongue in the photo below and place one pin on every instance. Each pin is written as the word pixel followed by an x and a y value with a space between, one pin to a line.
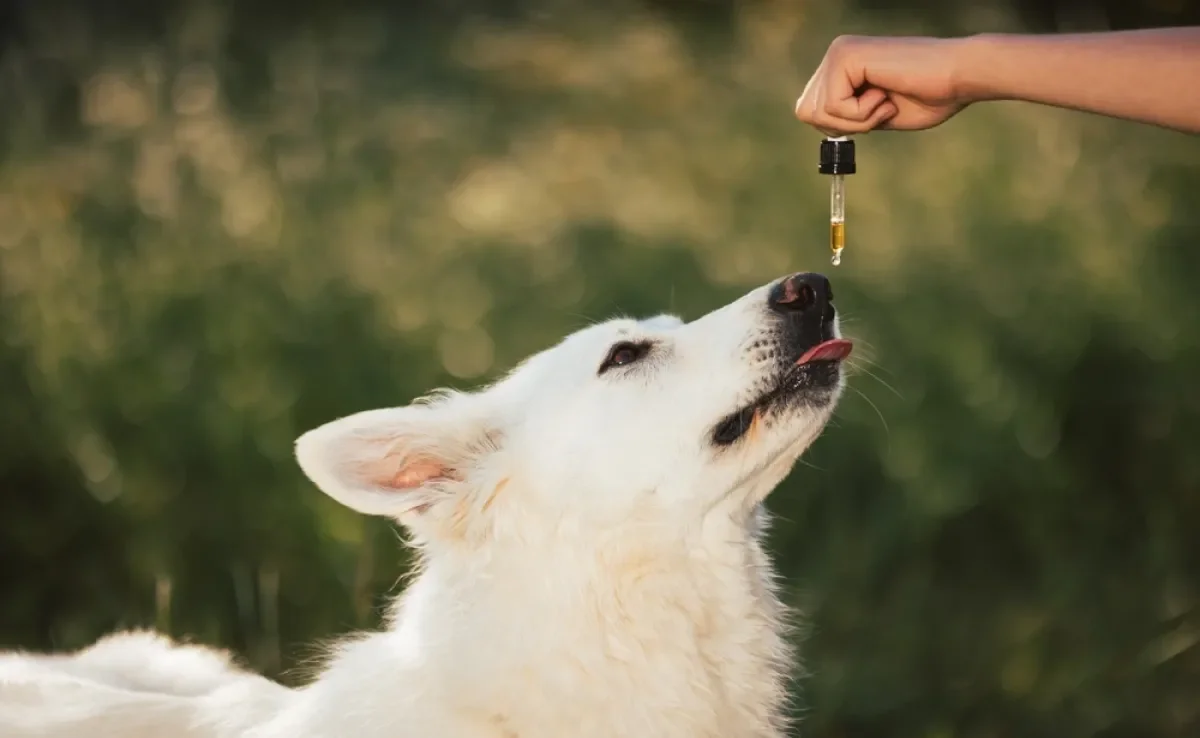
pixel 832 350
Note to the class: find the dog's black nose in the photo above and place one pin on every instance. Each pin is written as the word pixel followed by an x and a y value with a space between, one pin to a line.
pixel 801 293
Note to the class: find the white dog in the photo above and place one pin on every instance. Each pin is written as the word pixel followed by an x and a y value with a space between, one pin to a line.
pixel 592 564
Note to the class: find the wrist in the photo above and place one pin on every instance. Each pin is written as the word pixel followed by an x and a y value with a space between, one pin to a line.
pixel 975 60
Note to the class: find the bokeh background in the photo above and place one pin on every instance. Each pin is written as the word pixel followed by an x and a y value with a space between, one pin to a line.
pixel 222 224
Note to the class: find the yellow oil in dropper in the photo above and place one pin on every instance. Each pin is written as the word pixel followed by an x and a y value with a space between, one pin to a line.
pixel 837 218
pixel 837 160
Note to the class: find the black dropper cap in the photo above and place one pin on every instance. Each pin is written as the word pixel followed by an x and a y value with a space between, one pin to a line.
pixel 837 156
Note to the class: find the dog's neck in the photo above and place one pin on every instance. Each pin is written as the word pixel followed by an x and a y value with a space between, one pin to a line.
pixel 686 626
pixel 666 636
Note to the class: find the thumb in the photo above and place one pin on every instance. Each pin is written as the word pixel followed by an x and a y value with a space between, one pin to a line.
pixel 882 114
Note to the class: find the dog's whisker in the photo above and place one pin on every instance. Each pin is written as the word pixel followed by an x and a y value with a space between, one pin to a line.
pixel 868 373
pixel 869 401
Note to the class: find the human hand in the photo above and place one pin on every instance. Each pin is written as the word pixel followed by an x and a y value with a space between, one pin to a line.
pixel 897 83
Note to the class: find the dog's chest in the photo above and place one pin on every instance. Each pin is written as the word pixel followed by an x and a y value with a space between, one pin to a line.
pixel 655 653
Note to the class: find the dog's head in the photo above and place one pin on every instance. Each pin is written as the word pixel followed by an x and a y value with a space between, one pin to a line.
pixel 624 421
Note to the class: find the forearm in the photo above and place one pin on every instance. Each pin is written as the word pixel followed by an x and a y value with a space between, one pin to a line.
pixel 1151 76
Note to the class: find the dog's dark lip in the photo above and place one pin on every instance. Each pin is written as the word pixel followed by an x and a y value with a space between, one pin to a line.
pixel 823 356
pixel 735 425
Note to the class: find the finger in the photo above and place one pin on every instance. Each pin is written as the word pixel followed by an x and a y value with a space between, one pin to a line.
pixel 834 126
pixel 804 109
pixel 882 114
pixel 846 73
pixel 917 118
pixel 806 104
pixel 837 127
pixel 831 123
pixel 860 107
pixel 832 132
pixel 843 80
pixel 816 110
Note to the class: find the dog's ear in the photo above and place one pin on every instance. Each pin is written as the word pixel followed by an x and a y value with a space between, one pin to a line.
pixel 400 462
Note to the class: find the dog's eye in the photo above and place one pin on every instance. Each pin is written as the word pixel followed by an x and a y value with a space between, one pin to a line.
pixel 624 354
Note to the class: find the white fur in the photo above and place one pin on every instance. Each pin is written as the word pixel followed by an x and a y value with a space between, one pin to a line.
pixel 131 685
pixel 592 564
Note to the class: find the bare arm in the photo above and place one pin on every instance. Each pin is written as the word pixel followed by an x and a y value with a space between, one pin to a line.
pixel 1150 76
pixel 912 83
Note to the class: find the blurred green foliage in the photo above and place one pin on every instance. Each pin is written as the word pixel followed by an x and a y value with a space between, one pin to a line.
pixel 221 226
